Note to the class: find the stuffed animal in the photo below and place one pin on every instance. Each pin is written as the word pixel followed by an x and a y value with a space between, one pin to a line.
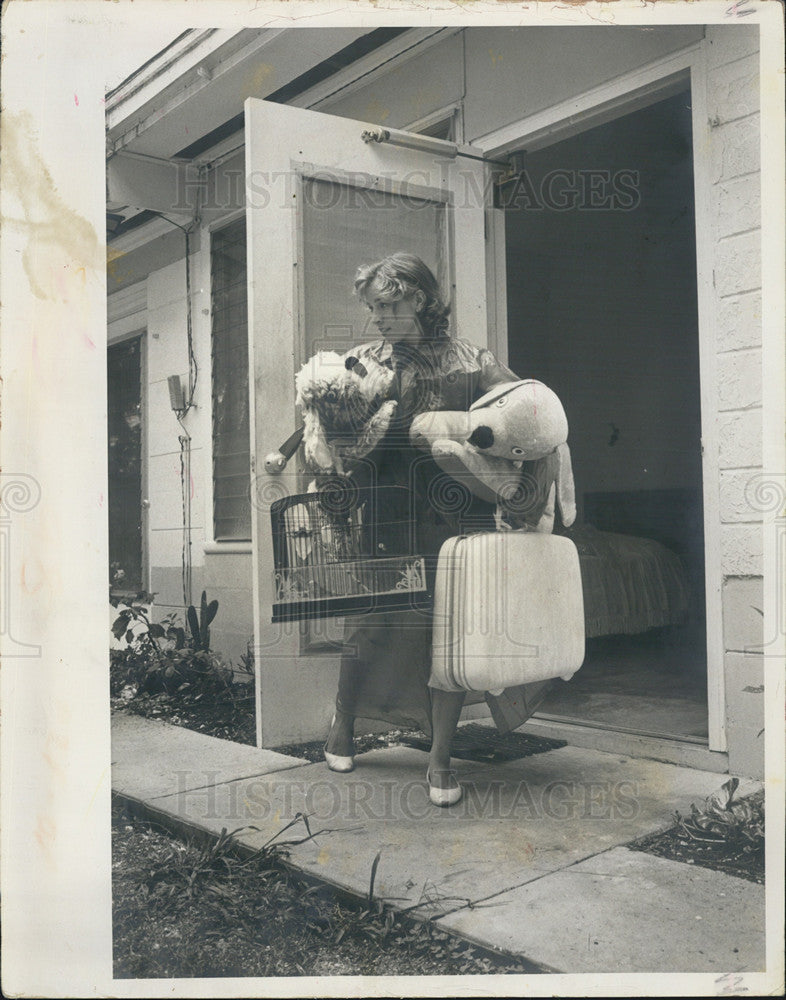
pixel 510 448
pixel 345 408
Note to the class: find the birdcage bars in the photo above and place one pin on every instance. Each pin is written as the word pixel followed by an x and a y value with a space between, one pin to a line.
pixel 345 550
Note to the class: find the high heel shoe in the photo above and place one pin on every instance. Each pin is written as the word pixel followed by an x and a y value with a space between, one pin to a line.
pixel 337 762
pixel 443 796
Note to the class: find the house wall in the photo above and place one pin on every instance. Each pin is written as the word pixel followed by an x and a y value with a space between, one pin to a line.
pixel 503 74
pixel 735 208
pixel 222 570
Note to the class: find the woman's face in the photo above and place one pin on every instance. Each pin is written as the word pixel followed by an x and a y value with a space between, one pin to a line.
pixel 398 320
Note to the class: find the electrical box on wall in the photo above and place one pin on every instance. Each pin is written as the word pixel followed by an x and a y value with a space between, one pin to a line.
pixel 177 397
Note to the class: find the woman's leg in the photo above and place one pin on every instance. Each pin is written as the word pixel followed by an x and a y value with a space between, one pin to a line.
pixel 445 711
pixel 384 667
pixel 339 739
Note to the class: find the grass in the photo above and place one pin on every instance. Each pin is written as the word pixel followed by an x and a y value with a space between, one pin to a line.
pixel 725 834
pixel 199 909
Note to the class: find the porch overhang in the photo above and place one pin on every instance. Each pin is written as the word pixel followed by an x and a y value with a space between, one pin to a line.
pixel 184 107
pixel 201 81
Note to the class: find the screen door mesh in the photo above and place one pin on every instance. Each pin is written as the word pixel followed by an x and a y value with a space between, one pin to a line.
pixel 344 226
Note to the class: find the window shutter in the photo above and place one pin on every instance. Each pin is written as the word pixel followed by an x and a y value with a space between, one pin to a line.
pixel 231 452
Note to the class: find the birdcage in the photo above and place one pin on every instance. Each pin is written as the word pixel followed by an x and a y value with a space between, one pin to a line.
pixel 346 549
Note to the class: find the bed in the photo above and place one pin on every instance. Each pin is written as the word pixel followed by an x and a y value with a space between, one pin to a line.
pixel 645 574
pixel 630 584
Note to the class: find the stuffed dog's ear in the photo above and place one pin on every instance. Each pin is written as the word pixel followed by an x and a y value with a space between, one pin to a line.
pixel 371 434
pixel 315 444
pixel 374 379
pixel 566 489
pixel 353 364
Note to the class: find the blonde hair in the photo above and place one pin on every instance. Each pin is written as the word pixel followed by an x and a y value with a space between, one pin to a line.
pixel 402 274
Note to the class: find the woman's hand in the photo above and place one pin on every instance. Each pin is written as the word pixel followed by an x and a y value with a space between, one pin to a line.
pixel 439 425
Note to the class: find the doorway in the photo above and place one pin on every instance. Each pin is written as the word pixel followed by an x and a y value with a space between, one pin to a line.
pixel 124 393
pixel 602 307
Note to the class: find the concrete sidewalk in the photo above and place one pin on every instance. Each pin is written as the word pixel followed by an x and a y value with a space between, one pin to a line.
pixel 532 860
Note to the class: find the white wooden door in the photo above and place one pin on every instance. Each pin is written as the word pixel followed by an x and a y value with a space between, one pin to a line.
pixel 320 202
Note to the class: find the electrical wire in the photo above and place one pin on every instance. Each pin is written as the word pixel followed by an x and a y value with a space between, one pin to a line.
pixel 185 438
pixel 193 367
pixel 185 498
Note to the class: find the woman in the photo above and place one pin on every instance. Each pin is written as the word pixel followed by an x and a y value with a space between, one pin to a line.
pixel 385 663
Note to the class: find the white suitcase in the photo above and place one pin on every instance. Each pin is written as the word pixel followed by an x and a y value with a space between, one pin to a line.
pixel 508 610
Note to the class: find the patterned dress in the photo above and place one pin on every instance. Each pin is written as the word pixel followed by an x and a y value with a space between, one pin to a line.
pixel 385 663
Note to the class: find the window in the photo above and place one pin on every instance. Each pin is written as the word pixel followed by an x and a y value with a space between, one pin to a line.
pixel 231 451
pixel 445 124
pixel 441 128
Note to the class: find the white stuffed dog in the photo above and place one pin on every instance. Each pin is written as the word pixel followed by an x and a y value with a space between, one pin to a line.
pixel 345 408
pixel 486 448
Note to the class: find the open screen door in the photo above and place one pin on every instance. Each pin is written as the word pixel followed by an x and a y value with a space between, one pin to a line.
pixel 321 200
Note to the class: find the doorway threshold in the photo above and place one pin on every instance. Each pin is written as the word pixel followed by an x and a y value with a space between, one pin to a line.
pixel 630 730
pixel 684 752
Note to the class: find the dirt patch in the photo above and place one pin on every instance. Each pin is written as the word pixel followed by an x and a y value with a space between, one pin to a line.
pixel 227 717
pixel 198 910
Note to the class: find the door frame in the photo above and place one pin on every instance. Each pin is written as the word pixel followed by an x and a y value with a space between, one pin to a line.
pixel 613 99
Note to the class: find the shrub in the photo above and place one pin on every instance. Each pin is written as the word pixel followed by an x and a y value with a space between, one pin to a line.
pixel 160 656
pixel 726 820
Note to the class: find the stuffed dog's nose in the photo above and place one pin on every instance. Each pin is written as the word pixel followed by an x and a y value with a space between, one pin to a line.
pixel 482 437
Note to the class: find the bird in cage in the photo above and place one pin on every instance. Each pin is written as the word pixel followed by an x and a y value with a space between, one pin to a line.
pixel 299 530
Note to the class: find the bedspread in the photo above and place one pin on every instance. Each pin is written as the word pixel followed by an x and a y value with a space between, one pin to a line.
pixel 630 584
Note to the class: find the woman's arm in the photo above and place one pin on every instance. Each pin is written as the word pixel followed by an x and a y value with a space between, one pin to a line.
pixel 469 372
